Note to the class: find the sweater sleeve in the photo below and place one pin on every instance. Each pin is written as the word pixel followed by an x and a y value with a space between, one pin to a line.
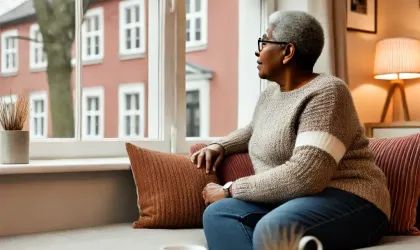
pixel 327 126
pixel 237 141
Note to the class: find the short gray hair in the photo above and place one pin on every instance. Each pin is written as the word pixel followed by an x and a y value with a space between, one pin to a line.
pixel 302 30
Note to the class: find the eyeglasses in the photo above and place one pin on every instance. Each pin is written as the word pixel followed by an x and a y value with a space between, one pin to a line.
pixel 262 42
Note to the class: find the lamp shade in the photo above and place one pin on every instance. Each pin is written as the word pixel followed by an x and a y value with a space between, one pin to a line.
pixel 397 58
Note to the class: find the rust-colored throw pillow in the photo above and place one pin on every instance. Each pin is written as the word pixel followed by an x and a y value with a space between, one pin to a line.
pixel 169 189
pixel 399 158
pixel 233 166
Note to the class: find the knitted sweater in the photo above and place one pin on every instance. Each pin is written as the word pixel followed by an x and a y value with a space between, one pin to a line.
pixel 305 140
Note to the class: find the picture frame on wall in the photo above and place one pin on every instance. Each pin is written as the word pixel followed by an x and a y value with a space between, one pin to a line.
pixel 362 15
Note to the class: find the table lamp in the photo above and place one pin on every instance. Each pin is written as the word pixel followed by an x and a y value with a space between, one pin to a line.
pixel 397 59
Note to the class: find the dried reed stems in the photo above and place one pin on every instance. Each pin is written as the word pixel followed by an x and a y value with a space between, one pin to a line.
pixel 14 114
pixel 284 240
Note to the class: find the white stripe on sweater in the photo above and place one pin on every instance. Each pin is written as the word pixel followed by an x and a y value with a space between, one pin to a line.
pixel 324 141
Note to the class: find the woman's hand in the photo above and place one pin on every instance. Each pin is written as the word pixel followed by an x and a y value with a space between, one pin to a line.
pixel 211 156
pixel 212 193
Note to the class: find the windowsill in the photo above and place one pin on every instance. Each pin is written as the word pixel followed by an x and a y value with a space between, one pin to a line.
pixel 128 56
pixel 86 62
pixel 9 74
pixel 66 166
pixel 196 48
pixel 36 69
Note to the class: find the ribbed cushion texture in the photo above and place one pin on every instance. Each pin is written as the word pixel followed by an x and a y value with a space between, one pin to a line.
pixel 233 166
pixel 399 158
pixel 169 189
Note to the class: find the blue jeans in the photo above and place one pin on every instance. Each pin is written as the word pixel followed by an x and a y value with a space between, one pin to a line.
pixel 339 219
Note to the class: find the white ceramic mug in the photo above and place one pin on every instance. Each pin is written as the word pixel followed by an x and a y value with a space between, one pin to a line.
pixel 306 239
pixel 185 247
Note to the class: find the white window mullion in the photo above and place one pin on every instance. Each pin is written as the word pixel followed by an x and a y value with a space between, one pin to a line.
pixel 9 52
pixel 93 106
pixel 129 7
pixel 135 94
pixel 37 59
pixel 92 37
pixel 38 121
pixel 192 16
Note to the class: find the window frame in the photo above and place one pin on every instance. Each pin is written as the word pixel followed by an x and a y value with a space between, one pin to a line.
pixel 37 96
pixel 96 92
pixel 91 13
pixel 131 88
pixel 4 36
pixel 133 52
pixel 203 88
pixel 203 15
pixel 161 27
pixel 33 45
pixel 166 87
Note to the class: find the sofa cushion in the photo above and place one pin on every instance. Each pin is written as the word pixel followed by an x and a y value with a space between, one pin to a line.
pixel 399 158
pixel 169 189
pixel 124 237
pixel 232 167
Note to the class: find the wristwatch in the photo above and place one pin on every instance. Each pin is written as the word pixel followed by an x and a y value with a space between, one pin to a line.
pixel 226 189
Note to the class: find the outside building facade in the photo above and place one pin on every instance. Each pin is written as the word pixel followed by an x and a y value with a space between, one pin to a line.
pixel 115 75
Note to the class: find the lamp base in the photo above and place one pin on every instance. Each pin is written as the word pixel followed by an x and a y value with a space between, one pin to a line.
pixel 396 84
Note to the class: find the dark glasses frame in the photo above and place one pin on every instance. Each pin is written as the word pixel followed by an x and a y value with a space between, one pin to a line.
pixel 260 45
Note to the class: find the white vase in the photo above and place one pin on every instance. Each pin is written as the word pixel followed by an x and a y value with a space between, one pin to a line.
pixel 14 147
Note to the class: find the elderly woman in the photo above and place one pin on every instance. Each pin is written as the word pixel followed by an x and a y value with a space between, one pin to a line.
pixel 313 167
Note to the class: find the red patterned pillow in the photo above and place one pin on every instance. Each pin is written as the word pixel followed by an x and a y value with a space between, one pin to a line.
pixel 399 158
pixel 233 166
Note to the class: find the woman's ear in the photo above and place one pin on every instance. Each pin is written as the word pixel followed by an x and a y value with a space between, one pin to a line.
pixel 289 51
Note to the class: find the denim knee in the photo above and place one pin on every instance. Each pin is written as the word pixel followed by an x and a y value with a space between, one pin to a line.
pixel 269 230
pixel 214 210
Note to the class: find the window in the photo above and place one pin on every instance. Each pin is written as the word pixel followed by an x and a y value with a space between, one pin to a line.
pixel 93 113
pixel 9 52
pixel 132 28
pixel 132 110
pixel 196 23
pixel 93 35
pixel 145 100
pixel 38 60
pixel 38 115
pixel 198 113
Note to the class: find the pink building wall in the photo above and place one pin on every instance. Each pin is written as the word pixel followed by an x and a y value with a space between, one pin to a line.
pixel 220 56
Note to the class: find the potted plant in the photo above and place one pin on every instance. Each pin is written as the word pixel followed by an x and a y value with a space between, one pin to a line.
pixel 14 141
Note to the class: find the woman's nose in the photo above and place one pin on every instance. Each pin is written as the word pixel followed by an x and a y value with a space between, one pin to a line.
pixel 257 53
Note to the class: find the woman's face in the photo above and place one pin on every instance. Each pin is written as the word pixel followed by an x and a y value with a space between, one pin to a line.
pixel 270 58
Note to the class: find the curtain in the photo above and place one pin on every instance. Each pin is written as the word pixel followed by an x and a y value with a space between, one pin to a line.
pixel 332 15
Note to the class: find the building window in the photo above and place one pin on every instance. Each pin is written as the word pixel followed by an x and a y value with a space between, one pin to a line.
pixel 38 59
pixel 132 27
pixel 93 113
pixel 132 110
pixel 196 23
pixel 38 115
pixel 198 108
pixel 9 52
pixel 193 113
pixel 93 35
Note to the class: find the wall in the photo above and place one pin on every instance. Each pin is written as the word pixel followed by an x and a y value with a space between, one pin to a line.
pixel 33 203
pixel 395 18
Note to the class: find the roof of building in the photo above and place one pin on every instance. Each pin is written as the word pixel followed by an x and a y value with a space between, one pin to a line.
pixel 194 69
pixel 23 12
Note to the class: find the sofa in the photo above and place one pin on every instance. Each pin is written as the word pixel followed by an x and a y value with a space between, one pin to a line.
pixel 123 237
pixel 108 221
